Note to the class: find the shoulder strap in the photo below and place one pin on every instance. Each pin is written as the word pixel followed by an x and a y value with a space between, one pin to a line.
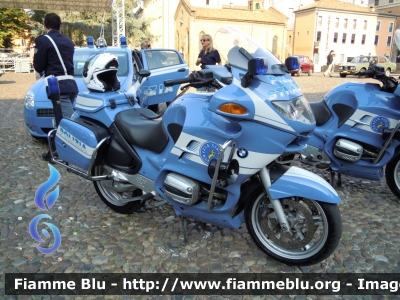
pixel 58 53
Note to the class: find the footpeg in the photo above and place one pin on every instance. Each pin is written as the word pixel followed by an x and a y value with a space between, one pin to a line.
pixel 147 197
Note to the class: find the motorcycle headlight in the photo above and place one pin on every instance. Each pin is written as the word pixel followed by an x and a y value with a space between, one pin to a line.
pixel 296 109
pixel 29 99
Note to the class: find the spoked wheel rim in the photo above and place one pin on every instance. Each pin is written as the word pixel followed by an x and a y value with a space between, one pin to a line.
pixel 308 223
pixel 107 189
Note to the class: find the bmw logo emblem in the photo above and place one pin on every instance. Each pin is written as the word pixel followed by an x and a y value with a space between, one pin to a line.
pixel 242 153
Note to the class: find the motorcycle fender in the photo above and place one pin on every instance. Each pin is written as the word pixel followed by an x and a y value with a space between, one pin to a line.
pixel 302 183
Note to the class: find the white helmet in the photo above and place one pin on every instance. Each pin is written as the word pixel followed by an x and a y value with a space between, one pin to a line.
pixel 100 73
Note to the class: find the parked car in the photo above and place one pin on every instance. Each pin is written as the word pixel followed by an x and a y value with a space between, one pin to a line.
pixel 1 72
pixel 305 65
pixel 38 110
pixel 361 64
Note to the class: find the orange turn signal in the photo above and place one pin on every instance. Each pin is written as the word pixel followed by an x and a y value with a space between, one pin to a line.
pixel 234 109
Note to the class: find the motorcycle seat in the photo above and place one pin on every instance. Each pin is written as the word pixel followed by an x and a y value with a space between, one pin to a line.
pixel 321 112
pixel 142 132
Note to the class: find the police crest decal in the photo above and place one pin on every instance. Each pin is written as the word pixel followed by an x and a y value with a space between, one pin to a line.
pixel 379 123
pixel 209 151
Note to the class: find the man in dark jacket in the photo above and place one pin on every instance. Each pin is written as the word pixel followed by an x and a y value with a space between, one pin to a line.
pixel 53 55
pixel 329 63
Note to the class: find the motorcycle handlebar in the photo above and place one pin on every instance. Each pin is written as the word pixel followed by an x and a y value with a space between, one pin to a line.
pixel 172 82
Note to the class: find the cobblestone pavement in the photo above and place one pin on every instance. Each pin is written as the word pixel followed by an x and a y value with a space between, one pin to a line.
pixel 95 239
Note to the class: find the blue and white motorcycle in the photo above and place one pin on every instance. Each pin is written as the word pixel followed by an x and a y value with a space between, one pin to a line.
pixel 212 156
pixel 357 131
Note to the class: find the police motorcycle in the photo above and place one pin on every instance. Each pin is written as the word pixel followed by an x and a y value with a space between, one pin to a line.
pixel 357 131
pixel 211 156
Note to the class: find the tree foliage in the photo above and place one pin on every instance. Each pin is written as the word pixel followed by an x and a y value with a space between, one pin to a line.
pixel 79 25
pixel 13 24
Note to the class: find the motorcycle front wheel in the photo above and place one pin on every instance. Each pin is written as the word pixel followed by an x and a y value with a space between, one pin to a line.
pixel 118 202
pixel 392 174
pixel 315 228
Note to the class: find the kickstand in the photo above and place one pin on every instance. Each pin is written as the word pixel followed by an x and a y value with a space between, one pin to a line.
pixel 332 178
pixel 184 229
pixel 339 181
pixel 183 221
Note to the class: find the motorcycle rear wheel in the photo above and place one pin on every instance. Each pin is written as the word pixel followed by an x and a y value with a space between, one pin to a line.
pixel 392 174
pixel 316 228
pixel 110 196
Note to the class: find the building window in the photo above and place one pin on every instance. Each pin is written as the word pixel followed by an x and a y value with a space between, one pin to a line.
pixel 376 2
pixel 345 23
pixel 378 25
pixel 344 38
pixel 389 41
pixel 376 40
pixel 354 24
pixel 337 23
pixel 335 37
pixel 390 1
pixel 257 5
pixel 207 2
pixel 320 21
pixel 353 38
pixel 365 24
pixel 318 36
pixel 363 39
pixel 391 27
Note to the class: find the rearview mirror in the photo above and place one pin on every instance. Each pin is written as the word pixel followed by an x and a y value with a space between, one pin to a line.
pixel 143 73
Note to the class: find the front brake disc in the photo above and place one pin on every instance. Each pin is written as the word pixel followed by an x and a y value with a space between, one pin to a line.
pixel 286 240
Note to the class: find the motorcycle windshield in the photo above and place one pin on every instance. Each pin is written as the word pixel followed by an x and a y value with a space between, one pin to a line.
pixel 229 41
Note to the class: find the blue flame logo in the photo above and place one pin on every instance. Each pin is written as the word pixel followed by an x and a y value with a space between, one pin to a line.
pixel 50 200
pixel 45 187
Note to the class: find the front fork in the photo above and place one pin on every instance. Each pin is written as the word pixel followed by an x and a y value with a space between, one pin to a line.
pixel 265 179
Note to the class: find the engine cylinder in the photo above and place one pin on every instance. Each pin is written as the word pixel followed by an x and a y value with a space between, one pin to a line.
pixel 182 189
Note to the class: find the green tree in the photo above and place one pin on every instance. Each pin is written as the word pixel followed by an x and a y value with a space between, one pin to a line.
pixel 13 23
pixel 79 25
pixel 137 29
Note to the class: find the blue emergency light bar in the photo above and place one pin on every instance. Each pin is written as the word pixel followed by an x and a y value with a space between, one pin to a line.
pixel 123 41
pixel 90 42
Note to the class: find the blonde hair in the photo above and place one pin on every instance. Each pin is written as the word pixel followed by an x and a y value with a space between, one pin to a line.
pixel 210 46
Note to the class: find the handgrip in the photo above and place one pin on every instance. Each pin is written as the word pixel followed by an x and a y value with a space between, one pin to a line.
pixel 172 82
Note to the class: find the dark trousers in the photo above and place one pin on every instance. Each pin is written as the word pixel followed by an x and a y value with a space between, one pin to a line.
pixel 66 100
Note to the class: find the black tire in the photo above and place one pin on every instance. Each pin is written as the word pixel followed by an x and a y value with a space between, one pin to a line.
pixel 299 72
pixel 392 174
pixel 313 248
pixel 343 75
pixel 387 72
pixel 361 70
pixel 110 197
